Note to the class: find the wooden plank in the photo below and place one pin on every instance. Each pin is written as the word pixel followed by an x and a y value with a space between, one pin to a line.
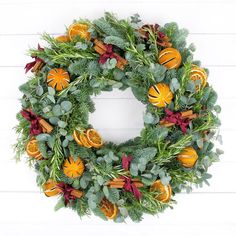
pixel 206 44
pixel 34 14
pixel 192 210
pixel 141 229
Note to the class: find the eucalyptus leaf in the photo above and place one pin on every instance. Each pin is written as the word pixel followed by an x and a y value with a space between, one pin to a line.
pixel 66 105
pixel 39 90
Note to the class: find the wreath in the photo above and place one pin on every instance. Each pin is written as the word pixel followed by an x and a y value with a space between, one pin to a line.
pixel 142 175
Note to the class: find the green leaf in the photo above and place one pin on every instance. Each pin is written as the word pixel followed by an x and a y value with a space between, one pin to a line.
pixel 174 85
pixel 118 74
pixel 62 124
pixel 134 169
pixel 100 180
pixel 54 120
pixel 83 182
pixel 150 119
pixel 217 108
pixel 65 143
pixel 113 195
pixel 42 137
pixel 119 42
pixel 147 153
pixel 81 46
pixel 106 191
pixel 123 211
pixel 39 90
pixel 60 204
pixel 51 98
pixel 51 91
pixel 57 110
pixel 63 132
pixel 66 105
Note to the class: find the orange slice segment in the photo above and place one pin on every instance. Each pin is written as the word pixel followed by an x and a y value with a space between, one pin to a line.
pixel 84 140
pixel 94 138
pixel 80 30
pixel 109 209
pixel 165 191
pixel 76 137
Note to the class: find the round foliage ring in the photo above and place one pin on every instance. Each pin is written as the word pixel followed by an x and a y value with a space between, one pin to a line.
pixel 142 175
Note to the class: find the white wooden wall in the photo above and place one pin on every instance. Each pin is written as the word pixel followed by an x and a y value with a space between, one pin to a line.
pixel 207 211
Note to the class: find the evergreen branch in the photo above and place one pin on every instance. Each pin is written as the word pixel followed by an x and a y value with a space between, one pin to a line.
pixel 57 159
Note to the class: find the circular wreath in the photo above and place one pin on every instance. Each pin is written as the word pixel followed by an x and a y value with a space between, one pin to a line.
pixel 114 181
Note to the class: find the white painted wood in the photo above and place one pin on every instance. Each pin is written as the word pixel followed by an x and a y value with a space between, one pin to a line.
pixel 51 16
pixel 207 211
pixel 193 214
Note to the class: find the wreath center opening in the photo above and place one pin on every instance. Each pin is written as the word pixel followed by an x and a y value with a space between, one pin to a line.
pixel 118 116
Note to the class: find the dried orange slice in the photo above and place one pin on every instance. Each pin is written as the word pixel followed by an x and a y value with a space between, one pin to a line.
pixel 76 137
pixel 72 168
pixel 39 156
pixel 165 191
pixel 84 140
pixel 198 73
pixel 80 30
pixel 62 39
pixel 109 209
pixel 50 188
pixel 94 138
pixel 58 78
pixel 32 148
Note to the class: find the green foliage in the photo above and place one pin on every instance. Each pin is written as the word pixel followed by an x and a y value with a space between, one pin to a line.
pixel 154 153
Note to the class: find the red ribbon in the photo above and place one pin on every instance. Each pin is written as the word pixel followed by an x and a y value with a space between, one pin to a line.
pixel 108 54
pixel 30 65
pixel 66 190
pixel 177 119
pixel 129 186
pixel 155 29
pixel 35 127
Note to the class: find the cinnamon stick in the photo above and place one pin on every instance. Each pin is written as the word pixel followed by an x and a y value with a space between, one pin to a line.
pixel 119 183
pixel 38 66
pixel 47 128
pixel 100 48
pixel 77 193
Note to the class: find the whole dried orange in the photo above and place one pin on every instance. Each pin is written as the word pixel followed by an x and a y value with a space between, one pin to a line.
pixel 188 157
pixel 58 78
pixel 72 168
